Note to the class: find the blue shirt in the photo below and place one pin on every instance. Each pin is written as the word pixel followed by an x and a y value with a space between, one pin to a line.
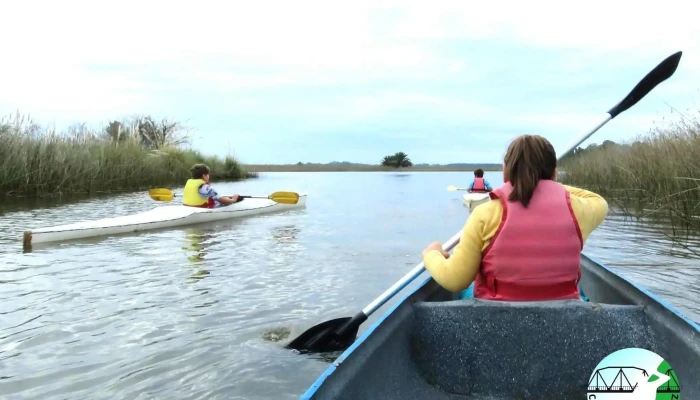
pixel 487 185
pixel 208 192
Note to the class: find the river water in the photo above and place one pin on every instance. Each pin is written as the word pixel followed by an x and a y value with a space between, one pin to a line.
pixel 202 312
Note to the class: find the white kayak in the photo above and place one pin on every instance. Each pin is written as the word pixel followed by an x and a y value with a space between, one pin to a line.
pixel 472 200
pixel 160 217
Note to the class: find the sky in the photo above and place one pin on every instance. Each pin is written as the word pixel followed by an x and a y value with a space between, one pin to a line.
pixel 320 81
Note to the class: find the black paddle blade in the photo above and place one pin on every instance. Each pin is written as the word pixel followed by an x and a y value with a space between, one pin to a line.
pixel 324 337
pixel 657 75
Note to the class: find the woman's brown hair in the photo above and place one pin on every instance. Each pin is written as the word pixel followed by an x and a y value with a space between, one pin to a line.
pixel 528 159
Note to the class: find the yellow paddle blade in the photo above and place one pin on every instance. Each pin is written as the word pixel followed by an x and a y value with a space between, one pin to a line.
pixel 161 194
pixel 284 197
pixel 452 188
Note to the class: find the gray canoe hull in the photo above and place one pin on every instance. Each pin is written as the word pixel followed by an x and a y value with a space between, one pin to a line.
pixel 432 346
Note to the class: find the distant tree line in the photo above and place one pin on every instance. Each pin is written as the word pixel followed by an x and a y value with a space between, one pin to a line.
pixel 388 161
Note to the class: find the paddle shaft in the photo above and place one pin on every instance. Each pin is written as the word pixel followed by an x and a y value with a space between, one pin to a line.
pixel 240 197
pixel 662 72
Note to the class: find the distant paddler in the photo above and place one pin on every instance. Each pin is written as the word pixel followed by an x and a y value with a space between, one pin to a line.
pixel 479 184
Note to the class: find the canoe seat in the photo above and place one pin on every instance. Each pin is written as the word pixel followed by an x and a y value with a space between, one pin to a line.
pixel 491 348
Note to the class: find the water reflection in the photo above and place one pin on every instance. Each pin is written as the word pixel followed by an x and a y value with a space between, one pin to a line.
pixel 197 242
pixel 196 239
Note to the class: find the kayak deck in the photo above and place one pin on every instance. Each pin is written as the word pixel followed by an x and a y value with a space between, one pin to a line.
pixel 433 346
pixel 474 199
pixel 159 217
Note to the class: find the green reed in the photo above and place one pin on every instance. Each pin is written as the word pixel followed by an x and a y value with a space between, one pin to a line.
pixel 42 162
pixel 656 176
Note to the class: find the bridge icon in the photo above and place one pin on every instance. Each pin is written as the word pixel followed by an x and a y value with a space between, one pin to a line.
pixel 634 373
pixel 619 384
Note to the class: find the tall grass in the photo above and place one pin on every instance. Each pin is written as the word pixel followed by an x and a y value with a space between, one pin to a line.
pixel 42 162
pixel 656 176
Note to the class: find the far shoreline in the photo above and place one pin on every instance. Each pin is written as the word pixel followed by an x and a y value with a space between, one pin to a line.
pixel 254 168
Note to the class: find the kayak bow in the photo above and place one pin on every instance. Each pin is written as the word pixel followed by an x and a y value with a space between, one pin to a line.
pixel 473 199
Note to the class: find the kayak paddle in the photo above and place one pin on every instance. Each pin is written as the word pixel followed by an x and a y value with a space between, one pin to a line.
pixel 163 194
pixel 338 334
pixel 452 188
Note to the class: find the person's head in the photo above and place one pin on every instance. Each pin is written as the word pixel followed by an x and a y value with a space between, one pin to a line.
pixel 479 173
pixel 529 159
pixel 200 171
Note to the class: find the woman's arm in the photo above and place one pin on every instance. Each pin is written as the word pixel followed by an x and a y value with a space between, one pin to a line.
pixel 458 272
pixel 589 208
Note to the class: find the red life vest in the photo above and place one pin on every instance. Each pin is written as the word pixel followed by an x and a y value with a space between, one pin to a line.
pixel 535 254
pixel 479 185
pixel 210 204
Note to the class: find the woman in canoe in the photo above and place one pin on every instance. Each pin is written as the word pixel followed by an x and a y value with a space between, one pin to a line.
pixel 525 244
pixel 479 184
pixel 198 191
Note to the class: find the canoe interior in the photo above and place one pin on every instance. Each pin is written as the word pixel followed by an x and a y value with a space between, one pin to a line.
pixel 434 346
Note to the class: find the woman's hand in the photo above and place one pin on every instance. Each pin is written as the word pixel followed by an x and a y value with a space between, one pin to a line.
pixel 436 246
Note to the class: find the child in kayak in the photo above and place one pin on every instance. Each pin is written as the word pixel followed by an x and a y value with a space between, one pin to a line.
pixel 525 244
pixel 198 191
pixel 479 184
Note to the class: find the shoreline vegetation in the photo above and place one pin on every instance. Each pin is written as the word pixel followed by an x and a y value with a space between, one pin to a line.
pixel 654 177
pixel 124 156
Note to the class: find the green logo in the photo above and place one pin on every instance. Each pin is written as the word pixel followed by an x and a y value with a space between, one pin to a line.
pixel 633 374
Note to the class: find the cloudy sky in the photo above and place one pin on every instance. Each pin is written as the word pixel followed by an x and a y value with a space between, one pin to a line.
pixel 287 81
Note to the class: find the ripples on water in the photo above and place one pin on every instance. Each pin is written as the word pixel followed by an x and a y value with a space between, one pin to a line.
pixel 646 254
pixel 202 312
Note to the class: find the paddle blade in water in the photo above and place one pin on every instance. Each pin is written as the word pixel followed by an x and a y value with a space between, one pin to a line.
pixel 161 194
pixel 285 197
pixel 324 337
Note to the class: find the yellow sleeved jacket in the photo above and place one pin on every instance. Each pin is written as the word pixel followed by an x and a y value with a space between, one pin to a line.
pixel 458 272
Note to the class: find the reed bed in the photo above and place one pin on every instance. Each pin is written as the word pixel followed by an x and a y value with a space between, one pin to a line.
pixel 656 176
pixel 37 162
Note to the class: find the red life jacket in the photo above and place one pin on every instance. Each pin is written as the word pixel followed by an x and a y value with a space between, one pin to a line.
pixel 479 185
pixel 210 204
pixel 535 254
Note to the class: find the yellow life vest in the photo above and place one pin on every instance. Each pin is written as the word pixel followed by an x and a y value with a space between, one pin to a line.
pixel 190 194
